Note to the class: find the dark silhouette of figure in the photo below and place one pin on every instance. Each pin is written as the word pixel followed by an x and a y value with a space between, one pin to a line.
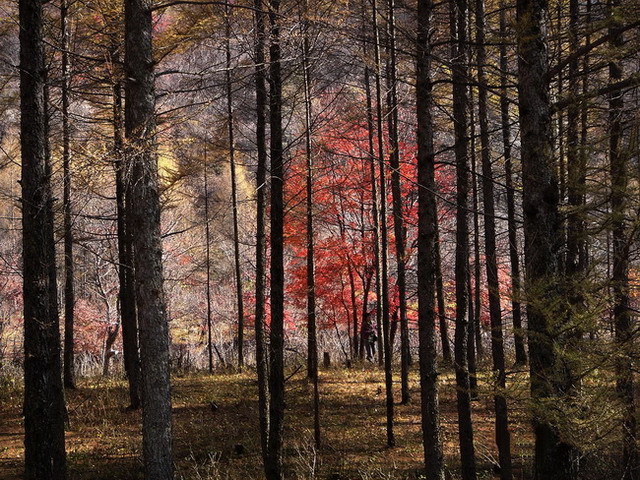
pixel 369 336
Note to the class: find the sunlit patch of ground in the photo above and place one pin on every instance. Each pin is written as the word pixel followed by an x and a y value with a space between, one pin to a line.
pixel 104 441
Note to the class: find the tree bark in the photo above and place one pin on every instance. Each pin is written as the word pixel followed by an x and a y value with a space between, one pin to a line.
pixel 477 273
pixel 312 346
pixel 458 17
pixel 141 157
pixel 622 316
pixel 396 192
pixel 543 234
pixel 126 293
pixel 503 437
pixel 234 186
pixel 375 204
pixel 273 467
pixel 514 255
pixel 427 218
pixel 43 408
pixel 69 291
pixel 384 261
pixel 442 312
pixel 207 259
pixel 261 179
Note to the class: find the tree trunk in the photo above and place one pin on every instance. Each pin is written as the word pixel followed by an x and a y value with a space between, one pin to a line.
pixel 477 273
pixel 622 316
pixel 207 258
pixel 542 229
pixel 427 218
pixel 145 230
pixel 273 467
pixel 503 438
pixel 514 255
pixel 126 293
pixel 261 178
pixel 458 17
pixel 43 408
pixel 384 261
pixel 69 293
pixel 442 312
pixel 474 323
pixel 234 187
pixel 396 192
pixel 375 203
pixel 312 347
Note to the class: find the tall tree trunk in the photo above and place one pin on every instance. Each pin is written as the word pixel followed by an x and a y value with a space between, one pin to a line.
pixel 624 326
pixel 396 192
pixel 207 259
pixel 145 230
pixel 375 204
pixel 471 351
pixel 126 293
pixel 458 17
pixel 384 261
pixel 477 273
pixel 427 219
pixel 69 294
pixel 234 187
pixel 383 280
pixel 514 255
pixel 312 347
pixel 503 438
pixel 474 323
pixel 575 259
pixel 273 468
pixel 442 312
pixel 542 229
pixel 43 408
pixel 261 179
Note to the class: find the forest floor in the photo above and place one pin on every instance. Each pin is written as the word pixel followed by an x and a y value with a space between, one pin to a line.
pixel 104 441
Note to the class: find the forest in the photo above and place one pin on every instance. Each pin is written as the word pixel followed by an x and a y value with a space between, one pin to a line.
pixel 319 239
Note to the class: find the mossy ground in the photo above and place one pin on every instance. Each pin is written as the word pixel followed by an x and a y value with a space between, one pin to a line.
pixel 104 440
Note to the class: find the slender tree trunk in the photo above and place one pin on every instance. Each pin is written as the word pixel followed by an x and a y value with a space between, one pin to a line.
pixel 542 228
pixel 575 258
pixel 503 438
pixel 145 229
pixel 69 294
pixel 474 322
pixel 375 204
pixel 384 261
pixel 624 325
pixel 442 312
pixel 126 293
pixel 261 179
pixel 477 274
pixel 458 25
pixel 207 248
pixel 43 408
pixel 471 351
pixel 383 279
pixel 273 468
pixel 396 192
pixel 312 347
pixel 427 219
pixel 234 187
pixel 514 255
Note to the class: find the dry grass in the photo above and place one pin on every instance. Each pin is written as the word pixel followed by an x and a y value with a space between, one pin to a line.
pixel 103 439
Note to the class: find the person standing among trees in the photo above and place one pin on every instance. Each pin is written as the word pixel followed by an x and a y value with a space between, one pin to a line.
pixel 369 334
